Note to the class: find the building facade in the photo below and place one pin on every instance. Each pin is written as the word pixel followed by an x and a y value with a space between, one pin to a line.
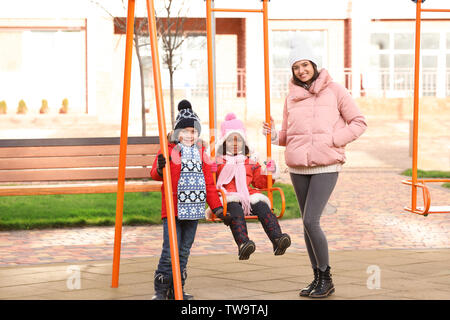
pixel 73 50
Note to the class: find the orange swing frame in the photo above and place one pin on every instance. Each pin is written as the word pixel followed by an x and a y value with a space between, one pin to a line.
pixel 178 292
pixel 211 76
pixel 163 133
pixel 414 182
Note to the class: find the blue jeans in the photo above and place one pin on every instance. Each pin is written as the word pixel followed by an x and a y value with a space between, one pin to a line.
pixel 186 230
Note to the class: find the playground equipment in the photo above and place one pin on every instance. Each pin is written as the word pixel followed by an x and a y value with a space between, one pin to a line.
pixel 163 132
pixel 163 143
pixel 210 33
pixel 414 182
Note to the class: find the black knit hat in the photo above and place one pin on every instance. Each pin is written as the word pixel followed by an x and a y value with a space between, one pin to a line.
pixel 186 117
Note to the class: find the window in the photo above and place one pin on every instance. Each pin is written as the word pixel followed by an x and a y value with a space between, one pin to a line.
pixel 403 41
pixel 48 65
pixel 380 40
pixel 429 41
pixel 392 64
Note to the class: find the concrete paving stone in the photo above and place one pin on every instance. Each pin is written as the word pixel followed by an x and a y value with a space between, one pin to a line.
pixel 438 255
pixel 420 294
pixel 382 296
pixel 410 284
pixel 28 279
pixel 287 295
pixel 208 282
pixel 252 276
pixel 137 277
pixel 362 274
pixel 444 280
pixel 31 270
pixel 200 272
pixel 339 279
pixel 211 259
pixel 277 261
pixel 350 290
pixel 294 270
pixel 138 297
pixel 396 260
pixel 88 294
pixel 301 281
pixel 223 293
pixel 271 286
pixel 425 268
pixel 133 289
pixel 21 291
pixel 97 277
pixel 233 267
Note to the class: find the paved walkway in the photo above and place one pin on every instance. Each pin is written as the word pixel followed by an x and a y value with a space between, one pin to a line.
pixel 368 232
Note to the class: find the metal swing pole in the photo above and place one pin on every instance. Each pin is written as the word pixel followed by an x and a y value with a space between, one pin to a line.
pixel 267 93
pixel 415 184
pixel 123 143
pixel 211 77
pixel 165 150
pixel 163 142
pixel 416 106
pixel 210 35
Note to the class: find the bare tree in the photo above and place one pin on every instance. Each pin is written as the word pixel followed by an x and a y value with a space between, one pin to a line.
pixel 170 30
pixel 140 33
pixel 171 34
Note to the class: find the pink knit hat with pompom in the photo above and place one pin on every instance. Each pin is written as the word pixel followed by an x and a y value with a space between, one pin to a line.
pixel 231 125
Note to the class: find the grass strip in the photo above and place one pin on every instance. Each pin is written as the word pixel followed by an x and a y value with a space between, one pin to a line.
pixel 82 210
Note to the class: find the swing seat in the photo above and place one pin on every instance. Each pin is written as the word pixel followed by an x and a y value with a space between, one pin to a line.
pixel 212 218
pixel 426 208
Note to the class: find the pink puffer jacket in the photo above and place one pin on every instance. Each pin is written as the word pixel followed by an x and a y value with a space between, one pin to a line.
pixel 317 124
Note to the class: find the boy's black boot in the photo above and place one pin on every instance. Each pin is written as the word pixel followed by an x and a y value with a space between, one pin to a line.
pixel 324 286
pixel 162 285
pixel 305 292
pixel 186 296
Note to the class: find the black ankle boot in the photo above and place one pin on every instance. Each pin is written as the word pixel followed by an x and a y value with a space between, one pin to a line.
pixel 162 285
pixel 305 292
pixel 324 286
pixel 281 244
pixel 246 249
pixel 186 296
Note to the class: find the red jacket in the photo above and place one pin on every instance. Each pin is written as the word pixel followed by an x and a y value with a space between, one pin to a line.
pixel 212 197
pixel 254 177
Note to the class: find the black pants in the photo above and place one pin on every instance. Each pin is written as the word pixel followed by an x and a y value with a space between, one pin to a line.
pixel 265 216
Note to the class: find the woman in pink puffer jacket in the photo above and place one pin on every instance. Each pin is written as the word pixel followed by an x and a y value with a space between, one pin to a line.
pixel 319 119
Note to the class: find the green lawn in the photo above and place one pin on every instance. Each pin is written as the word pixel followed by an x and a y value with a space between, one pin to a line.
pixel 76 210
pixel 430 174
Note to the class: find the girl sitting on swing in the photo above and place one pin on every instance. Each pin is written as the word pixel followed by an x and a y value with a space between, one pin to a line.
pixel 235 173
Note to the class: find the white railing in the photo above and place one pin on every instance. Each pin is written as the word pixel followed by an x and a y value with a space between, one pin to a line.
pixel 375 83
pixel 447 83
pixel 280 81
pixel 400 82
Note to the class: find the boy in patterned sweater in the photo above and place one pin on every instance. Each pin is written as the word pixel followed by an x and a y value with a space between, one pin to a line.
pixel 193 186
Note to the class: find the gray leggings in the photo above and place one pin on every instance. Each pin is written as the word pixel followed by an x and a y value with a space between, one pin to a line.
pixel 313 192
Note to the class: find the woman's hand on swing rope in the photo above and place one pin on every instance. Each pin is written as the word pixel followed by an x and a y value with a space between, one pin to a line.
pixel 268 128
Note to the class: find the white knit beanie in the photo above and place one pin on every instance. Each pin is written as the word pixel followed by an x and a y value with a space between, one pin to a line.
pixel 303 52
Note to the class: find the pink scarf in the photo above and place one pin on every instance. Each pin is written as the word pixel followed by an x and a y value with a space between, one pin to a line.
pixel 235 168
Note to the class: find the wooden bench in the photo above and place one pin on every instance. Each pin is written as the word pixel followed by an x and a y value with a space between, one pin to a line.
pixel 75 165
